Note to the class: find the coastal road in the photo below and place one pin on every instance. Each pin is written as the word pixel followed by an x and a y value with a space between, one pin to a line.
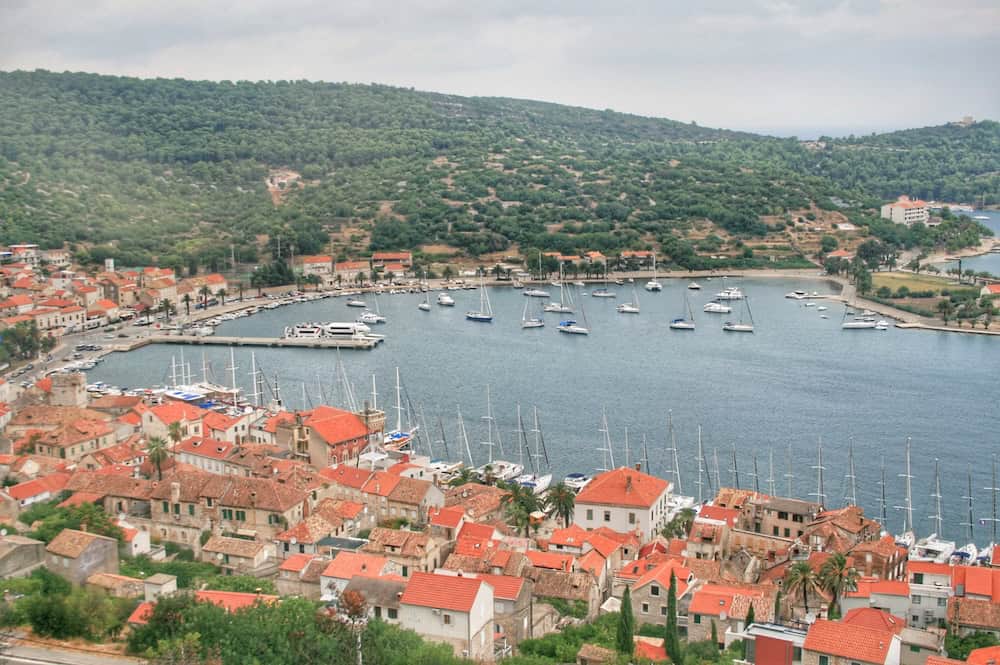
pixel 41 655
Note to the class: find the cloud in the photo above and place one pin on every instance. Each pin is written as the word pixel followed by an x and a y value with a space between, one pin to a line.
pixel 826 64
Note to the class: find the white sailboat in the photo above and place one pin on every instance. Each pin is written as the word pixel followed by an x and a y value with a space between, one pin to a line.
pixel 741 326
pixel 572 327
pixel 684 321
pixel 630 307
pixel 716 308
pixel 485 312
pixel 653 284
pixel 538 481
pixel 399 437
pixel 530 322
pixel 425 306
pixel 497 468
pixel 535 292
pixel 564 306
pixel 602 292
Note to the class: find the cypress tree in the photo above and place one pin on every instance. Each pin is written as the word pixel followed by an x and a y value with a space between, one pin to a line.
pixel 777 609
pixel 626 625
pixel 672 640
pixel 750 616
pixel 715 635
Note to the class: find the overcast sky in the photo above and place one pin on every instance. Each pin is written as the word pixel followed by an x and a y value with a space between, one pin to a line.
pixel 780 65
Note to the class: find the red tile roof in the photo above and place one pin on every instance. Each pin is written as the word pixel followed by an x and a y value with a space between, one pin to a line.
pixel 869 585
pixel 978 581
pixel 869 617
pixel 233 600
pixel 728 515
pixel 335 425
pixel 984 656
pixel 349 564
pixel 444 592
pixel 173 412
pixel 505 587
pixel 448 518
pixel 52 483
pixel 623 487
pixel 553 560
pixel 847 641
pixel 140 615
pixel 479 531
pixel 661 575
pixel 653 652
pixel 928 568
pixel 592 562
pixel 572 536
pixel 297 562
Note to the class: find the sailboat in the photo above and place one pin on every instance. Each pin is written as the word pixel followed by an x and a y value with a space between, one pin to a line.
pixel 530 322
pixel 425 306
pixel 653 285
pixel 497 468
pixel 564 306
pixel 533 292
pixel 741 326
pixel 571 327
pixel 537 481
pixel 485 312
pixel 398 437
pixel 684 322
pixel 630 307
pixel 602 292
pixel 369 317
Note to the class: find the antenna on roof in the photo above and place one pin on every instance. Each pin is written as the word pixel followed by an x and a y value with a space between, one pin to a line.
pixel 970 523
pixel 851 498
pixel 820 492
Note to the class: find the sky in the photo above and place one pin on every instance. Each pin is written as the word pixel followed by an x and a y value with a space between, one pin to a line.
pixel 807 68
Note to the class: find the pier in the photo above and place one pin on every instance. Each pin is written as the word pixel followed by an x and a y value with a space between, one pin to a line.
pixel 366 343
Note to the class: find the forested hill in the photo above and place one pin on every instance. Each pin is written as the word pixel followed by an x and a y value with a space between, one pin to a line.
pixel 179 171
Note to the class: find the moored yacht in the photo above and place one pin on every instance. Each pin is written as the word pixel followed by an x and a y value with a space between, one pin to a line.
pixel 356 302
pixel 717 308
pixel 535 293
pixel 577 481
pixel 572 327
pixel 370 318
pixel 445 300
pixel 729 293
pixel 694 286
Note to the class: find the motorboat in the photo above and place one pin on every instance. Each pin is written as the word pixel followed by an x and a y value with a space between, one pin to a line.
pixel 537 483
pixel 500 470
pixel 304 331
pixel 577 481
pixel 558 308
pixel 966 554
pixel 694 286
pixel 356 302
pixel 572 327
pixel 682 324
pixel 370 318
pixel 579 283
pixel 729 293
pixel 717 308
pixel 796 295
pixel 424 306
pixel 354 329
pixel 859 323
pixel 731 326
pixel 628 308
pixel 535 293
pixel 602 293
pixel 822 308
pixel 445 300
pixel 882 325
pixel 932 549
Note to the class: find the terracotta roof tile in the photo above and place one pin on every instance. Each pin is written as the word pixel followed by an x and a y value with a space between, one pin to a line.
pixel 349 564
pixel 623 487
pixel 848 641
pixel 445 592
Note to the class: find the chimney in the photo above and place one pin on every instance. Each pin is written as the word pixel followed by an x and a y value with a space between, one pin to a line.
pixel 175 491
pixel 638 466
pixel 628 484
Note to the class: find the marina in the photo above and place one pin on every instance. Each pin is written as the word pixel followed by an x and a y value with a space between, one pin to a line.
pixel 815 378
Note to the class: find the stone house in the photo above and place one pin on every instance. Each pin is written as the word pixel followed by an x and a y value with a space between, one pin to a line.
pixel 382 595
pixel 76 555
pixel 19 555
pixel 239 556
pixel 457 611
pixel 411 551
pixel 300 575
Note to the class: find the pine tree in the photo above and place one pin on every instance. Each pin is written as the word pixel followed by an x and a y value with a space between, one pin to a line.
pixel 750 616
pixel 777 609
pixel 626 625
pixel 671 640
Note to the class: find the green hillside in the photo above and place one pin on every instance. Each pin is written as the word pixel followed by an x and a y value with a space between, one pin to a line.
pixel 176 171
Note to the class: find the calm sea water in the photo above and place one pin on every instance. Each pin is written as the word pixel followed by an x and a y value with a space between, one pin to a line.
pixel 798 379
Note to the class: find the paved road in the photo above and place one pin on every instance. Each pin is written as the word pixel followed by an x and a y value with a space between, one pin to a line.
pixel 31 655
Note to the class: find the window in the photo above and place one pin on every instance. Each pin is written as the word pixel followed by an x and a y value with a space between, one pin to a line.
pixel 177 509
pixel 446 618
pixel 942 602
pixel 797 654
pixel 190 509
pixel 697 618
pixel 663 610
pixel 406 571
pixel 241 516
pixel 797 518
pixel 914 648
pixel 782 515
pixel 208 501
pixel 225 558
pixel 654 590
pixel 607 515
pixel 393 612
pixel 824 660
pixel 227 513
pixel 645 608
pixel 774 531
pixel 378 612
pixel 915 600
pixel 918 578
pixel 631 518
pixel 166 506
pixel 788 533
pixel 590 514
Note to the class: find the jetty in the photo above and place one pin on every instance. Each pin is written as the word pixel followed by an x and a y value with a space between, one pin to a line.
pixel 358 342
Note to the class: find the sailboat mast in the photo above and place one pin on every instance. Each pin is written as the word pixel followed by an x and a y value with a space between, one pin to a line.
pixel 489 424
pixel 907 506
pixel 627 451
pixel 701 466
pixel 204 368
pixel 173 372
pixel 936 518
pixel 644 461
pixel 970 523
pixel 523 445
pixel 718 473
pixel 540 451
pixel 770 471
pixel 399 403
pixel 789 476
pixel 374 394
pixel 464 435
pixel 673 445
pixel 608 455
pixel 444 439
pixel 882 502
pixel 735 470
pixel 756 477
pixel 254 379
pixel 820 492
pixel 993 489
pixel 851 499
pixel 232 375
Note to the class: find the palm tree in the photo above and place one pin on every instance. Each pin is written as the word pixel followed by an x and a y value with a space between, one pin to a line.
pixel 801 577
pixel 166 307
pixel 680 525
pixel 187 304
pixel 447 273
pixel 521 502
pixel 174 432
pixel 222 295
pixel 156 450
pixel 946 309
pixel 360 278
pixel 257 282
pixel 561 499
pixel 837 577
pixel 204 292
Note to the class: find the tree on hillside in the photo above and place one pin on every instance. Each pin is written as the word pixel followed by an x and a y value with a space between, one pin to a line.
pixel 520 502
pixel 946 308
pixel 626 626
pixel 174 432
pixel 561 499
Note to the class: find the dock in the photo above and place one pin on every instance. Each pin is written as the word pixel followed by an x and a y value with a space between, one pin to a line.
pixel 366 343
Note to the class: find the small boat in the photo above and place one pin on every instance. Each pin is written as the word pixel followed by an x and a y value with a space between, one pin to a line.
pixel 966 553
pixel 537 480
pixel 694 286
pixel 445 300
pixel 653 284
pixel 424 306
pixel 684 321
pixel 530 322
pixel 560 307
pixel 577 481
pixel 859 323
pixel 823 316
pixel 602 292
pixel 535 293
pixel 356 302
pixel 980 217
pixel 717 308
pixel 822 308
pixel 741 326
pixel 729 293
pixel 620 282
pixel 485 312
pixel 796 295
pixel 810 304
pixel 630 307
pixel 371 318
pixel 579 283
pixel 882 325
pixel 572 327
pixel 932 549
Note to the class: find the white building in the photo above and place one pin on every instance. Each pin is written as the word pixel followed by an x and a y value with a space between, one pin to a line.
pixel 455 610
pixel 906 211
pixel 624 500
